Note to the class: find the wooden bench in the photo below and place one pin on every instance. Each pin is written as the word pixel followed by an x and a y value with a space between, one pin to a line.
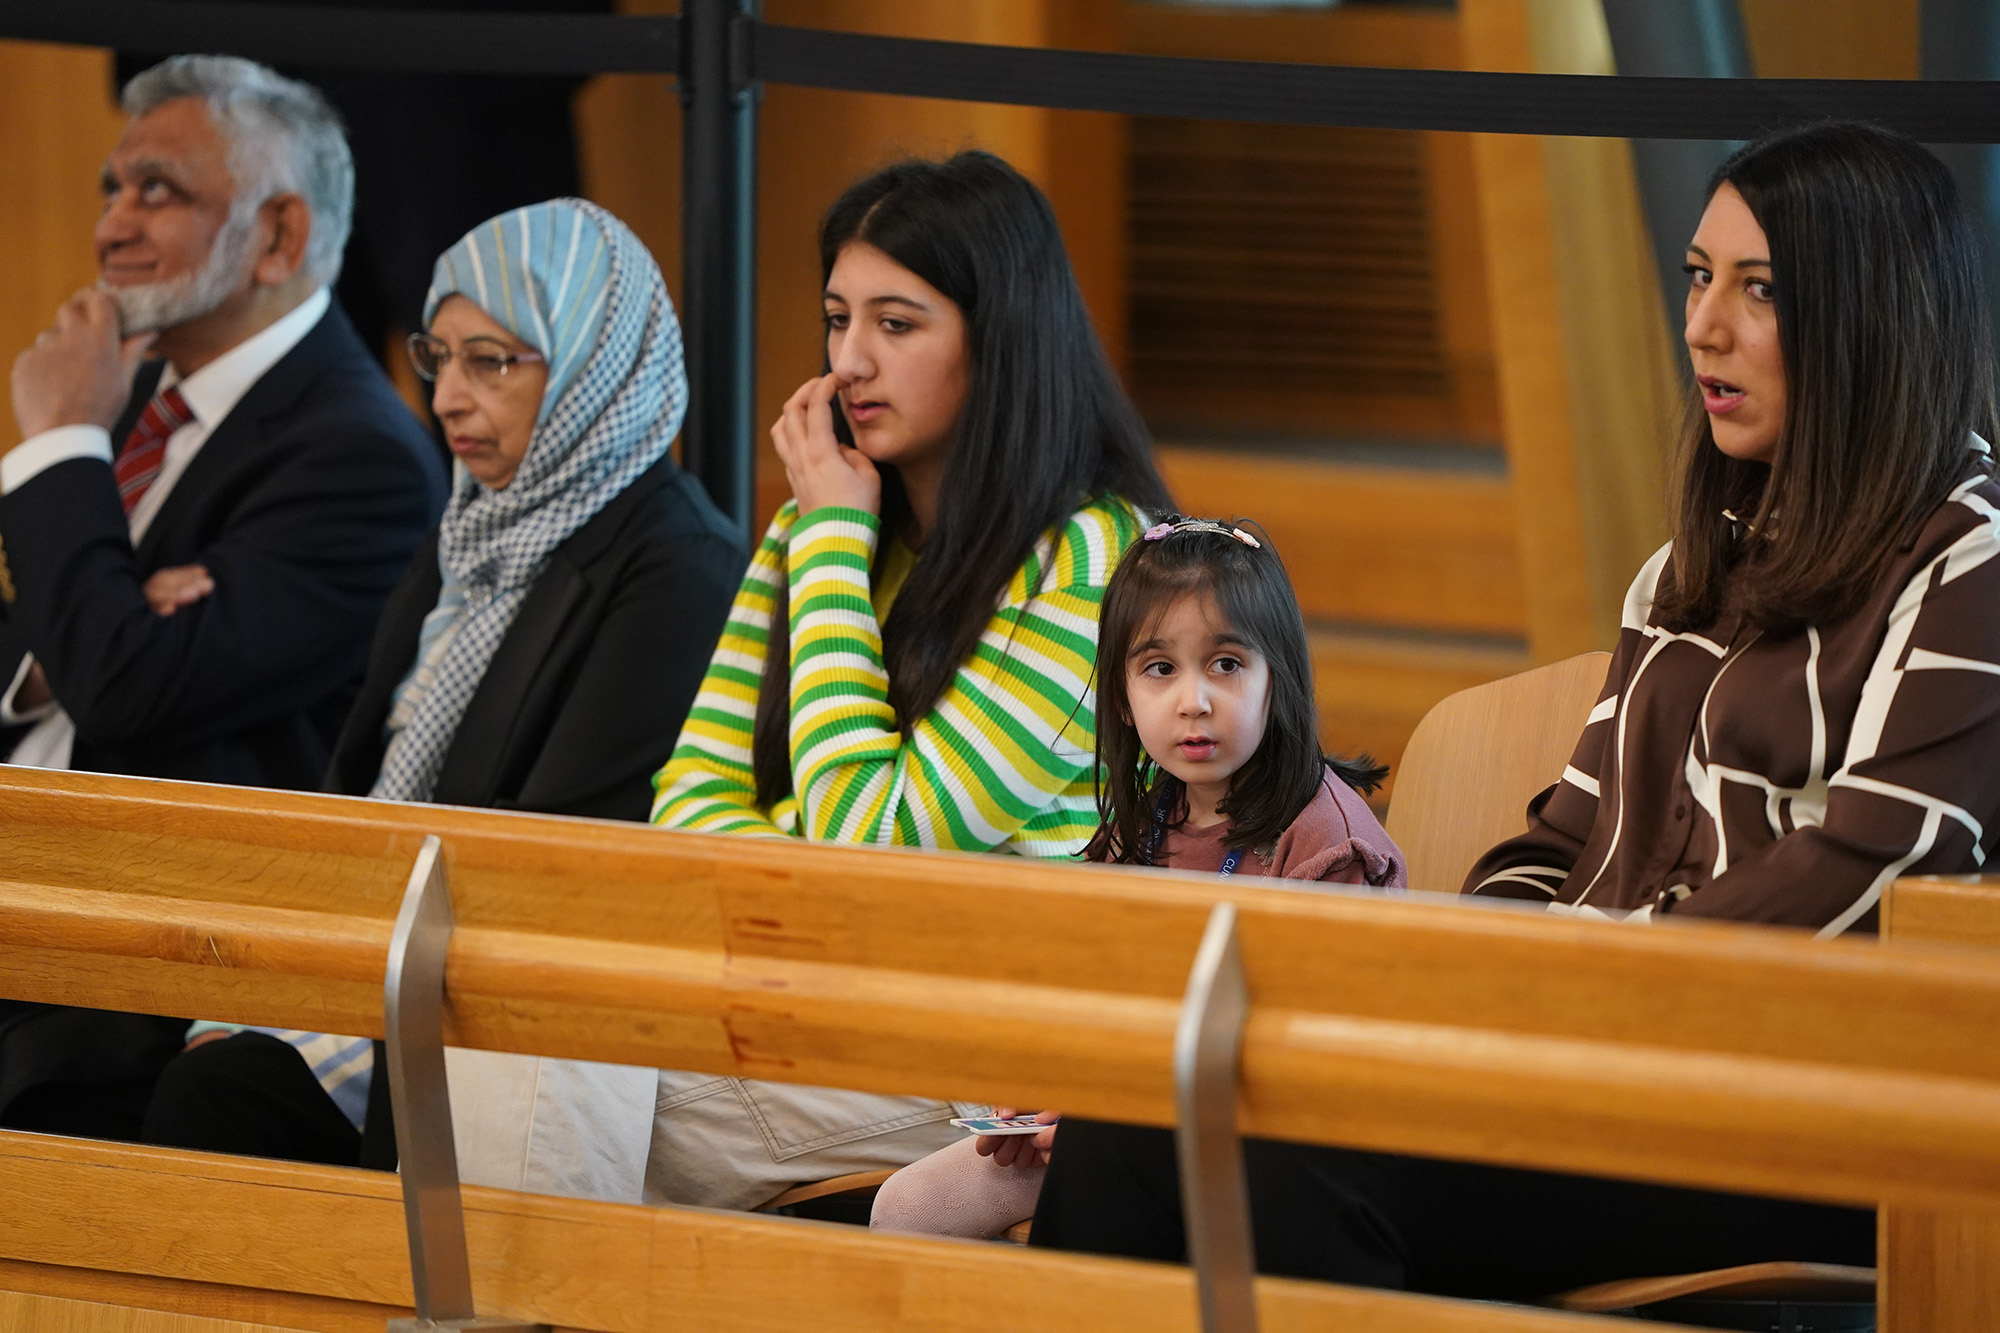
pixel 1942 1269
pixel 1698 1054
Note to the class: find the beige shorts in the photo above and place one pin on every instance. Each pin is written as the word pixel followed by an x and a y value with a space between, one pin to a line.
pixel 739 1143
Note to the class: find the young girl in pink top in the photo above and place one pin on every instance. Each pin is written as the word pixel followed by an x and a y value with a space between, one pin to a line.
pixel 1209 759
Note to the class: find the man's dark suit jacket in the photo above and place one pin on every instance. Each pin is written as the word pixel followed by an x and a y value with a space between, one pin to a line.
pixel 305 504
pixel 585 696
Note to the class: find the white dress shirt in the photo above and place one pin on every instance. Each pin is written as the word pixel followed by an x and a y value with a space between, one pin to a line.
pixel 211 393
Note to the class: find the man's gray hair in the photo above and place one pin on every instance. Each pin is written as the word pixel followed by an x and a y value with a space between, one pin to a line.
pixel 283 136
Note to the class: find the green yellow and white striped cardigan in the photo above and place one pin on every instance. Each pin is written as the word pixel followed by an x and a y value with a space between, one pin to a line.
pixel 1003 761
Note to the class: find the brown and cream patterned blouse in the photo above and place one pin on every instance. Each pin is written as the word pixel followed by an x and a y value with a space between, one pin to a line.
pixel 1788 779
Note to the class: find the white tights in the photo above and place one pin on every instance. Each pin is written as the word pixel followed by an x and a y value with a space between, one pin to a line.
pixel 956 1192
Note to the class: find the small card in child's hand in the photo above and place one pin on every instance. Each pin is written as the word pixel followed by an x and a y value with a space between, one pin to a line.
pixel 1014 1124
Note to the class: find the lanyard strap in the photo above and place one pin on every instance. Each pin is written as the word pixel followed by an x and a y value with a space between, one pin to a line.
pixel 1149 854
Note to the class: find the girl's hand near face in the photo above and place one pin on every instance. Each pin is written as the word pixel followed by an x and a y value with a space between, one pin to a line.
pixel 822 471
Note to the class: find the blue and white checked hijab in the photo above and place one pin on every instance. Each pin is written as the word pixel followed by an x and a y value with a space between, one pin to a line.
pixel 574 283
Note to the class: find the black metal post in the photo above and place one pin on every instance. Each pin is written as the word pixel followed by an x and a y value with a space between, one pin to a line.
pixel 719 249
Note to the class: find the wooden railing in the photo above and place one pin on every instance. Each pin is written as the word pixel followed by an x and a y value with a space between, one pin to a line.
pixel 1943 1267
pixel 1705 1055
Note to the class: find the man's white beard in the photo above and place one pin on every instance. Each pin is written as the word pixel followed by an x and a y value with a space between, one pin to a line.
pixel 144 307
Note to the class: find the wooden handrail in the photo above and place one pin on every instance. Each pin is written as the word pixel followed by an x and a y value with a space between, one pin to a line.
pixel 1756 1060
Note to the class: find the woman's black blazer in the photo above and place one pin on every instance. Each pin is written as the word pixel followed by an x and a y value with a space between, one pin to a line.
pixel 586 694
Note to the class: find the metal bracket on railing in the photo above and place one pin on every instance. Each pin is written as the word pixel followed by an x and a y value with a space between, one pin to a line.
pixel 1214 1199
pixel 413 1015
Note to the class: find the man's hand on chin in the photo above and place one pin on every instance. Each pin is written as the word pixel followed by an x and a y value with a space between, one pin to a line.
pixel 79 372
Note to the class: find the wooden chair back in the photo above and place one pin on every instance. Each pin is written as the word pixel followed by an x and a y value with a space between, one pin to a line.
pixel 1479 757
pixel 1471 768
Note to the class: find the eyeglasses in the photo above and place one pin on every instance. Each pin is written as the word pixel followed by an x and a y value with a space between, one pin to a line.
pixel 428 357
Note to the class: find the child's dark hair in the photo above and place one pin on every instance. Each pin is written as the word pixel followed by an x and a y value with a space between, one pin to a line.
pixel 1254 595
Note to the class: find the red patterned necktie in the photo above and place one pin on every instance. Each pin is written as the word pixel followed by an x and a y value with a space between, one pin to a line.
pixel 146 447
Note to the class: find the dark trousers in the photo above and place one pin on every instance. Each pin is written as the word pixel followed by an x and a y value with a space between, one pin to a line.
pixel 86 1072
pixel 252 1095
pixel 1419 1224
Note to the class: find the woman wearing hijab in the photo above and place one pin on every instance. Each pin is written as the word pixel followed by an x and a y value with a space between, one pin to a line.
pixel 540 654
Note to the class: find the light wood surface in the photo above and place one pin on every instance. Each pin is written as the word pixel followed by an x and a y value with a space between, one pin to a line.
pixel 56 104
pixel 1941 1269
pixel 1388 546
pixel 1587 387
pixel 207 1300
pixel 1477 759
pixel 1511 180
pixel 1834 39
pixel 50 1314
pixel 1373 688
pixel 1956 909
pixel 1705 1054
pixel 1412 271
pixel 856 1182
pixel 1620 333
pixel 328 1231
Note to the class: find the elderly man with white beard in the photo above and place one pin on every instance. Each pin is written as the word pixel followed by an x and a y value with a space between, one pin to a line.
pixel 216 489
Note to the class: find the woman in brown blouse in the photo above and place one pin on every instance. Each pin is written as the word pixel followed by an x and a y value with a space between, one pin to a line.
pixel 1805 700
pixel 1805 703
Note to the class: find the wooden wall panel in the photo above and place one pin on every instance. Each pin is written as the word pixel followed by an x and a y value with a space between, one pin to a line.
pixel 1626 398
pixel 1284 284
pixel 1833 39
pixel 1585 381
pixel 628 131
pixel 1372 544
pixel 59 122
pixel 1373 688
pixel 1302 280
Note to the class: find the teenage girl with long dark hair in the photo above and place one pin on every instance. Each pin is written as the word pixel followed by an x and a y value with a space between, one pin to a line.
pixel 908 661
pixel 1804 704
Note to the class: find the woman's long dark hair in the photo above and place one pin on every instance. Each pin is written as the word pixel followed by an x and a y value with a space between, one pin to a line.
pixel 1881 308
pixel 1254 596
pixel 1046 427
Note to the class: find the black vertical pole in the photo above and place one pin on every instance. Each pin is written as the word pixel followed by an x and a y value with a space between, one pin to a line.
pixel 719 249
